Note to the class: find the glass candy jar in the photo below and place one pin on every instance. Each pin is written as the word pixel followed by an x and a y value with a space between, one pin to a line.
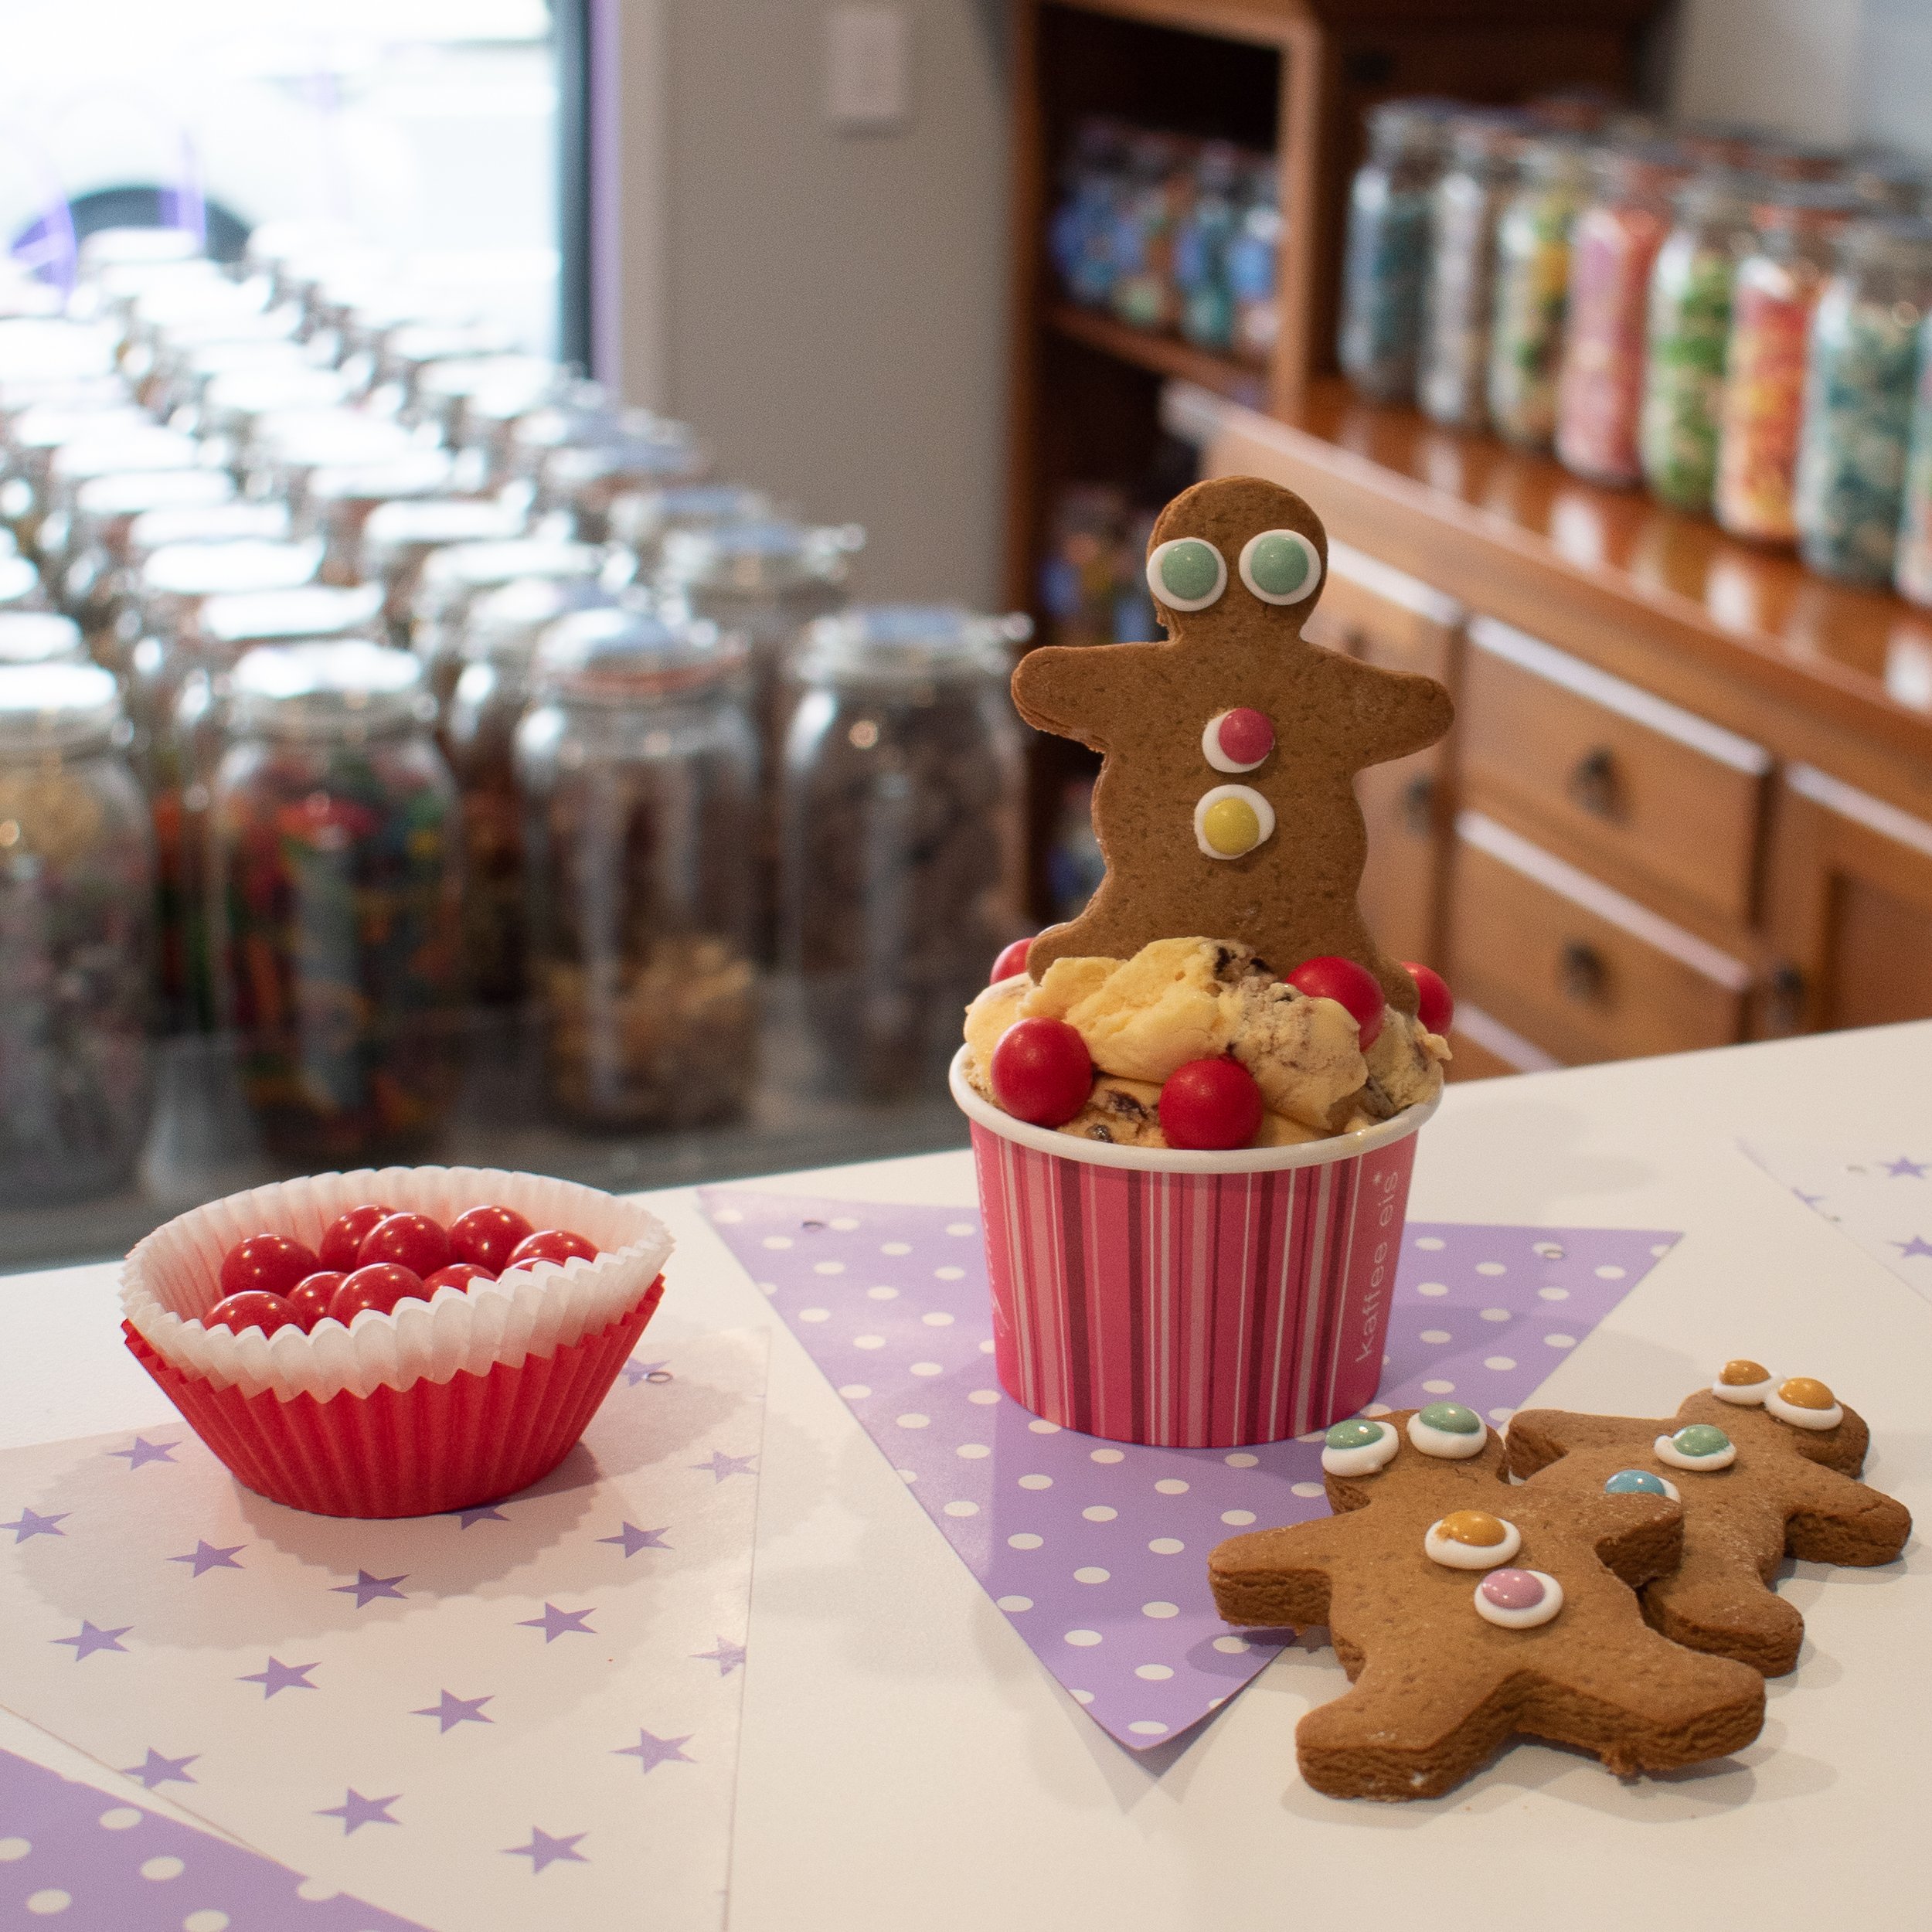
pixel 1387 259
pixel 583 482
pixel 642 520
pixel 77 900
pixel 1779 283
pixel 1253 254
pixel 1601 389
pixel 1911 575
pixel 638 766
pixel 1858 401
pixel 1531 294
pixel 336 851
pixel 1466 204
pixel 1142 292
pixel 902 867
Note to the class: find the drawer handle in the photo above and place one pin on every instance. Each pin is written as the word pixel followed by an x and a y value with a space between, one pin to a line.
pixel 1593 784
pixel 1419 806
pixel 1582 973
pixel 1785 999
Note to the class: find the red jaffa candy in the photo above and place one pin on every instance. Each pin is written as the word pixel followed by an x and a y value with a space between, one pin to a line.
pixel 458 1274
pixel 250 1308
pixel 342 1246
pixel 1348 984
pixel 379 1286
pixel 1211 1103
pixel 412 1241
pixel 551 1244
pixel 1012 960
pixel 311 1297
pixel 1436 1007
pixel 1041 1072
pixel 488 1236
pixel 1247 736
pixel 272 1263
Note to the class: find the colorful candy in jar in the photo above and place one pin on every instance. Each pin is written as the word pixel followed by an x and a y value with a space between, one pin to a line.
pixel 1079 236
pixel 1252 256
pixel 1387 262
pixel 1201 246
pixel 1155 197
pixel 1858 400
pixel 1911 575
pixel 1532 293
pixel 1467 205
pixel 1688 327
pixel 1599 392
pixel 1779 283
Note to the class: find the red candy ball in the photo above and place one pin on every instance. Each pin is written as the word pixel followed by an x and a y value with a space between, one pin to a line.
pixel 551 1244
pixel 412 1241
pixel 1210 1103
pixel 266 1263
pixel 310 1298
pixel 342 1246
pixel 250 1308
pixel 1348 984
pixel 1437 1007
pixel 380 1286
pixel 1246 736
pixel 487 1236
pixel 1012 961
pixel 458 1274
pixel 1041 1072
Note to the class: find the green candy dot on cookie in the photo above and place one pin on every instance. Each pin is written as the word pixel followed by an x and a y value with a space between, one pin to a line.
pixel 1357 1434
pixel 1701 1438
pixel 1191 569
pixel 1278 565
pixel 1450 1416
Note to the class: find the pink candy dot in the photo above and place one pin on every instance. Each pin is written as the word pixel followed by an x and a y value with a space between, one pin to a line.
pixel 1512 1589
pixel 1247 736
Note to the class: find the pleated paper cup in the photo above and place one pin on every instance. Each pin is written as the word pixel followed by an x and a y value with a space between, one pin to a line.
pixel 1189 1300
pixel 444 1404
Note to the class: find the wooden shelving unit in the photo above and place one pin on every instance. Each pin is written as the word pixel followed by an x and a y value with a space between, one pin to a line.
pixel 1159 355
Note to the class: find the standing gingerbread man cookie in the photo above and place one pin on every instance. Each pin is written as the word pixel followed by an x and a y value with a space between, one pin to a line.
pixel 1230 752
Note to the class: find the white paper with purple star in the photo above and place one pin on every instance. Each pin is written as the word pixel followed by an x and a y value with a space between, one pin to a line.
pixel 515 1716
pixel 1882 1199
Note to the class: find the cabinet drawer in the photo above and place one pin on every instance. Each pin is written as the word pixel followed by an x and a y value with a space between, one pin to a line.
pixel 1574 967
pixel 1402 810
pixel 1667 793
pixel 1383 617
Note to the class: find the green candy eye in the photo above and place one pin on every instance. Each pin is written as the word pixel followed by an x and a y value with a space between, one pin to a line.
pixel 1701 1438
pixel 1636 1482
pixel 1451 1417
pixel 1357 1434
pixel 1186 573
pixel 1280 566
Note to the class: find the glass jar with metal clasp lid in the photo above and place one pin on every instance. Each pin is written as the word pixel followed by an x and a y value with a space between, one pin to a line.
pixel 76 911
pixel 642 519
pixel 585 479
pixel 285 448
pixel 39 636
pixel 398 539
pixel 1530 300
pixel 335 857
pixel 1385 263
pixel 339 499
pixel 902 852
pixel 637 767
pixel 104 512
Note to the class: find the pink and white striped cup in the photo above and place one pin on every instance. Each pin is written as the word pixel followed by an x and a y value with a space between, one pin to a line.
pixel 1194 1300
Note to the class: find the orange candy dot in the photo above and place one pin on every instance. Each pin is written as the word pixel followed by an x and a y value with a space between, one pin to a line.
pixel 1475 1527
pixel 1745 1374
pixel 1802 1391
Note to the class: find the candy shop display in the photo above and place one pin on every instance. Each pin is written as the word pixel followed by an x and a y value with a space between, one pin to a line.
pixel 1154 195
pixel 1531 294
pixel 1254 258
pixel 1913 573
pixel 903 851
pixel 1205 235
pixel 1615 244
pixel 1386 264
pixel 1080 234
pixel 1779 283
pixel 638 765
pixel 1687 329
pixel 1858 400
pixel 1454 371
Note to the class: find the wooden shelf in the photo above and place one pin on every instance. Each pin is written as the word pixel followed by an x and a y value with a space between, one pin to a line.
pixel 1163 355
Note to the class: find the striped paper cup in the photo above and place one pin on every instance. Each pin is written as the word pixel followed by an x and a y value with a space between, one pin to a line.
pixel 1192 1300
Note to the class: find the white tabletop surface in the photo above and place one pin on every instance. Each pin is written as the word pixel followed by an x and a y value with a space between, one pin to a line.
pixel 907 1764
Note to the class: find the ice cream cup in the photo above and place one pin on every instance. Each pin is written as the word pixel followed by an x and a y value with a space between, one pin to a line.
pixel 445 1404
pixel 1193 1301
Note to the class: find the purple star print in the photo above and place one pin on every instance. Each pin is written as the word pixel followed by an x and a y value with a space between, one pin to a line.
pixel 357 1810
pixel 632 1540
pixel 543 1849
pixel 637 1371
pixel 450 1710
pixel 728 1656
pixel 1904 1169
pixel 651 1752
pixel 487 1513
pixel 555 1623
pixel 146 1451
pixel 207 1557
pixel 279 1676
pixel 366 1588
pixel 90 1640
pixel 28 1524
pixel 157 1769
pixel 1917 1245
pixel 722 1465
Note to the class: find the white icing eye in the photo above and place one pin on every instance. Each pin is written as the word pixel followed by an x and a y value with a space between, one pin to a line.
pixel 1698 1445
pixel 1470 1539
pixel 1804 1404
pixel 1519 1599
pixel 1280 566
pixel 1359 1447
pixel 1186 573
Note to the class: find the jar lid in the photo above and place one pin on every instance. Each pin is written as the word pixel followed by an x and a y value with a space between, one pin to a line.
pixel 133 492
pixel 760 559
pixel 249 393
pixel 1894 240
pixel 311 439
pixel 143 449
pixel 643 518
pixel 416 345
pixel 1892 181
pixel 52 425
pixel 328 690
pixel 644 458
pixel 45 347
pixel 414 523
pixel 412 474
pixel 1487 135
pixel 1548 159
pixel 457 570
pixel 154 530
pixel 582 412
pixel 39 636
pixel 314 610
pixel 51 707
pixel 120 247
pixel 912 640
pixel 494 381
pixel 507 622
pixel 620 655
pixel 19 582
pixel 214 570
pixel 1721 194
pixel 1804 204
pixel 1797 161
pixel 1638 166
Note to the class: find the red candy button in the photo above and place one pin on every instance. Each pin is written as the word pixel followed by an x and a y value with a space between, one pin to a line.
pixel 1245 737
pixel 1436 1006
pixel 379 1286
pixel 1210 1103
pixel 1041 1072
pixel 250 1309
pixel 1348 984
pixel 488 1236
pixel 551 1244
pixel 458 1274
pixel 310 1298
pixel 1012 960
pixel 342 1246
pixel 412 1241
pixel 270 1263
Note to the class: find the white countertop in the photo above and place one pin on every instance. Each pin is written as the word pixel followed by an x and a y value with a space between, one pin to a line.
pixel 907 1764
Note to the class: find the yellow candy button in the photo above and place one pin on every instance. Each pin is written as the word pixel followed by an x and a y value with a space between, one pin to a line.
pixel 1231 826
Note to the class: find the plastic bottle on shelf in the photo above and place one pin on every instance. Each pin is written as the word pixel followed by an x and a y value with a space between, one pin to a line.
pixel 1468 203
pixel 1386 260
pixel 1532 290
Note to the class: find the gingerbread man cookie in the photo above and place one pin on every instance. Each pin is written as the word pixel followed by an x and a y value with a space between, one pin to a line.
pixel 1465 1610
pixel 1765 1468
pixel 1226 803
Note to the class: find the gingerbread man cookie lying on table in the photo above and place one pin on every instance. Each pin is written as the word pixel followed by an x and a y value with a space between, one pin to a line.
pixel 1765 1469
pixel 1230 751
pixel 1466 1609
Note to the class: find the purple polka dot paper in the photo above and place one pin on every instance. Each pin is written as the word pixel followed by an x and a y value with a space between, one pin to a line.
pixel 73 1854
pixel 1098 1551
